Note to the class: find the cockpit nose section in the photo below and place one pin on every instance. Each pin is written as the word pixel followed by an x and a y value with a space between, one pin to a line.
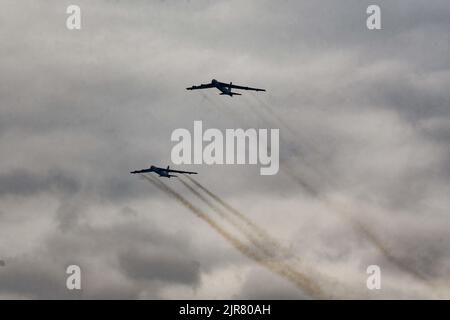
pixel 213 81
pixel 152 168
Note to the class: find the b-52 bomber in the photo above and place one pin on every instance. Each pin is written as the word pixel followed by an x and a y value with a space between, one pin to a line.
pixel 224 88
pixel 162 172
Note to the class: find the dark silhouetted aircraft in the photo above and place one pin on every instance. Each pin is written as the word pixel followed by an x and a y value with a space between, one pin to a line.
pixel 224 88
pixel 163 172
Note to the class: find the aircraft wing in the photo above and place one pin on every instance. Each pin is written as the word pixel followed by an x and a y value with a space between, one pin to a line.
pixel 177 171
pixel 244 88
pixel 202 86
pixel 141 171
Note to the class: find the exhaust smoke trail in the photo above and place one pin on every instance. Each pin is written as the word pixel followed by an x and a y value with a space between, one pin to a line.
pixel 276 250
pixel 268 120
pixel 207 98
pixel 314 192
pixel 272 113
pixel 281 122
pixel 224 215
pixel 359 226
pixel 219 105
pixel 305 185
pixel 295 277
pixel 258 230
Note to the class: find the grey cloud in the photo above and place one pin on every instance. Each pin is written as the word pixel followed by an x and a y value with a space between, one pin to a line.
pixel 68 214
pixel 41 274
pixel 261 286
pixel 22 182
pixel 368 116
pixel 169 267
pixel 33 278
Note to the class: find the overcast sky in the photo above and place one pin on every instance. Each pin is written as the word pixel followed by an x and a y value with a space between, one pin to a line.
pixel 364 119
